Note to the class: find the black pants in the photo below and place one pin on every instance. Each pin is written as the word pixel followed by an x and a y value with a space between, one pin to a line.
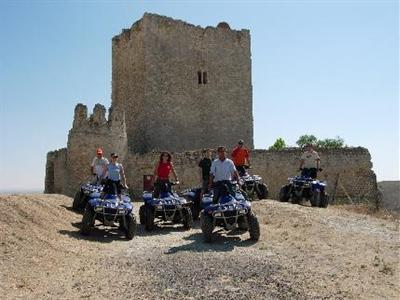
pixel 309 172
pixel 161 185
pixel 241 170
pixel 113 187
pixel 220 189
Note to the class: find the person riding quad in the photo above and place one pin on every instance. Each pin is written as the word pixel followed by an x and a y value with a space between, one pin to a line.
pixel 205 165
pixel 115 172
pixel 99 167
pixel 241 157
pixel 162 172
pixel 310 162
pixel 221 174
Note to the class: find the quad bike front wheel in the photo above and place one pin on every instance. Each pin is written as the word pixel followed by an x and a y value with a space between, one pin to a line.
pixel 142 215
pixel 187 218
pixel 254 226
pixel 149 218
pixel 207 226
pixel 284 195
pixel 130 226
pixel 88 219
pixel 262 191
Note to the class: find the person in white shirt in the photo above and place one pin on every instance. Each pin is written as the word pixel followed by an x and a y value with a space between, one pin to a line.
pixel 309 162
pixel 99 166
pixel 221 174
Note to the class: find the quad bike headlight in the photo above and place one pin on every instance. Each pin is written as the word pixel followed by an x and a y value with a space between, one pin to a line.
pixel 242 211
pixel 218 214
pixel 159 206
pixel 121 210
pixel 98 209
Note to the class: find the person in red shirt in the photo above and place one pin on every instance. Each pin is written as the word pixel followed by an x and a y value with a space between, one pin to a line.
pixel 241 157
pixel 162 171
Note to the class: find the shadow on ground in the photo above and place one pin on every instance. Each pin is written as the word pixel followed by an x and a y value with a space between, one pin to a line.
pixel 220 242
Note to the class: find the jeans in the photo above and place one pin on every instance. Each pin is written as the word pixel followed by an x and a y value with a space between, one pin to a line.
pixel 220 189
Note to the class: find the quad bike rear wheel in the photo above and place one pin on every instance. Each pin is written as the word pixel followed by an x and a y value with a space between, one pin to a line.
pixel 130 229
pixel 254 226
pixel 149 218
pixel 284 195
pixel 262 191
pixel 142 215
pixel 88 219
pixel 187 218
pixel 77 203
pixel 324 201
pixel 207 226
pixel 315 199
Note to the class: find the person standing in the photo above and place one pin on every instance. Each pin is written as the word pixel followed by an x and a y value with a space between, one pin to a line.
pixel 221 174
pixel 115 174
pixel 205 165
pixel 241 157
pixel 98 167
pixel 162 171
pixel 310 162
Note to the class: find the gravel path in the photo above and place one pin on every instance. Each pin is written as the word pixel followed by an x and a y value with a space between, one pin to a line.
pixel 303 253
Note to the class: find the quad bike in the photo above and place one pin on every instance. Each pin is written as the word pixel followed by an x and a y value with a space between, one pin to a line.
pixel 253 185
pixel 168 207
pixel 86 192
pixel 193 196
pixel 111 210
pixel 231 212
pixel 300 187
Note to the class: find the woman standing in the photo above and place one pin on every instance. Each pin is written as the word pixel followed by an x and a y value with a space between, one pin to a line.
pixel 115 172
pixel 162 171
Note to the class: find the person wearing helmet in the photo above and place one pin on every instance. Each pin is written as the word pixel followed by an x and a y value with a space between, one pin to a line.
pixel 98 167
pixel 309 162
pixel 241 157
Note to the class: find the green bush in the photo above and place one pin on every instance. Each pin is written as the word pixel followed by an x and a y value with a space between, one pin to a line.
pixel 306 139
pixel 278 145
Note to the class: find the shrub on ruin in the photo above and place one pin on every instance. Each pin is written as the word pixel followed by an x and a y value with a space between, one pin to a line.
pixel 306 139
pixel 278 145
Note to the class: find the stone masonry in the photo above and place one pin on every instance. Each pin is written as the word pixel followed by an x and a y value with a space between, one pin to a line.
pixel 182 86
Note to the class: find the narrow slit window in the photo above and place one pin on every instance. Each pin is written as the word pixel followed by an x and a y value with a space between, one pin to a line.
pixel 204 77
pixel 199 77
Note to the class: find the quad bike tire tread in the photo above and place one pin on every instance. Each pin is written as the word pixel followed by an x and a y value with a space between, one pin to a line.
pixel 130 230
pixel 263 191
pixel 254 226
pixel 149 218
pixel 187 218
pixel 284 194
pixel 77 203
pixel 87 219
pixel 207 227
pixel 315 200
pixel 324 201
pixel 142 215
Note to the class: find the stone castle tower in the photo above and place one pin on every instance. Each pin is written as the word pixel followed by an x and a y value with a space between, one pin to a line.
pixel 181 86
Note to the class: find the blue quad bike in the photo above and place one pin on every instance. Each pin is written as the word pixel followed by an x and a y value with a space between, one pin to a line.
pixel 110 210
pixel 232 212
pixel 86 192
pixel 193 196
pixel 253 185
pixel 304 187
pixel 168 207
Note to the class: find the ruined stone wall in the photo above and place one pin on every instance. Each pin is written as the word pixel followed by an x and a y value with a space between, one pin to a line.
pixel 155 79
pixel 56 180
pixel 89 133
pixel 356 179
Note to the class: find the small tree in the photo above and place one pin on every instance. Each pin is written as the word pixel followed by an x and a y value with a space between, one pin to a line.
pixel 278 145
pixel 306 139
pixel 335 143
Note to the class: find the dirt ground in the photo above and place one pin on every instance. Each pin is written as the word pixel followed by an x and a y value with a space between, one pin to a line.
pixel 303 253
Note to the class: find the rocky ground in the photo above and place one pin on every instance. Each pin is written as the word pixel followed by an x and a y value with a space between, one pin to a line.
pixel 303 253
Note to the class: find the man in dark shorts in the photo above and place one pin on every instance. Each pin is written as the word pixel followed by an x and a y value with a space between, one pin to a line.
pixel 205 165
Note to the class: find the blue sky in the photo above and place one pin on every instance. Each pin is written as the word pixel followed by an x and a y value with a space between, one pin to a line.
pixel 326 68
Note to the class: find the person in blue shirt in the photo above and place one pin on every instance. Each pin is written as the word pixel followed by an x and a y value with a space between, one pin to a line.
pixel 115 175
